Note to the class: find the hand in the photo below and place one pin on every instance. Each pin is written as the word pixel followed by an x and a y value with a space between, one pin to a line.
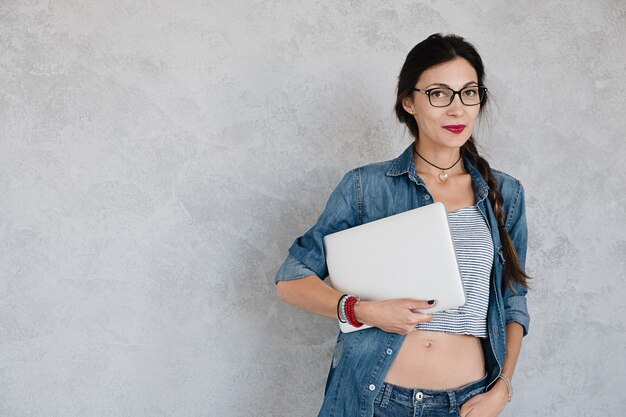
pixel 489 404
pixel 395 316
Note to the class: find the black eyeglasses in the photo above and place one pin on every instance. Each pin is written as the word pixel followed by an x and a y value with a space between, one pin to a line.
pixel 443 96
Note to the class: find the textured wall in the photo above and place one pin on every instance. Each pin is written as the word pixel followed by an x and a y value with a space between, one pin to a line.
pixel 157 158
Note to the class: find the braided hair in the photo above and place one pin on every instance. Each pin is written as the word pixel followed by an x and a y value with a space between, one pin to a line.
pixel 435 50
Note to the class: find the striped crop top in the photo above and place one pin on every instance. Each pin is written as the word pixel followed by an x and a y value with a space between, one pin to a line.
pixel 474 251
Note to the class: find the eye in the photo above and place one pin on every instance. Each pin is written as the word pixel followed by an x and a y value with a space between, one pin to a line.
pixel 470 92
pixel 439 93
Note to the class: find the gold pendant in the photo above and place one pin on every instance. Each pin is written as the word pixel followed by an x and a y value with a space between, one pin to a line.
pixel 443 176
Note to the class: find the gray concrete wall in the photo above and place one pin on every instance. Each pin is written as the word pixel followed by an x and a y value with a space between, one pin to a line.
pixel 157 158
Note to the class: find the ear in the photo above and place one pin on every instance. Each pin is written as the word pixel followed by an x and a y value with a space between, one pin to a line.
pixel 407 103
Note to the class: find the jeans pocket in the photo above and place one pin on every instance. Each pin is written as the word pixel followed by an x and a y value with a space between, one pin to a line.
pixel 469 396
pixel 475 392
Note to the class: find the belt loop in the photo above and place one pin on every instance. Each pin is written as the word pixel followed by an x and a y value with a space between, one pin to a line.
pixel 387 395
pixel 452 399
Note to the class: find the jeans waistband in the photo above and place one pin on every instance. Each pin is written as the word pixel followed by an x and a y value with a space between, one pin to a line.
pixel 415 396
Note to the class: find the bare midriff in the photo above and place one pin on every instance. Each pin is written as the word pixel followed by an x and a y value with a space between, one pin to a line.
pixel 438 361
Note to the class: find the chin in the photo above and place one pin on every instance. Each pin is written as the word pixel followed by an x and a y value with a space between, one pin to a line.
pixel 456 142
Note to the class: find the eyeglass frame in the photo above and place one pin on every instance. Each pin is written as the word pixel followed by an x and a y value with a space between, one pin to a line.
pixel 454 93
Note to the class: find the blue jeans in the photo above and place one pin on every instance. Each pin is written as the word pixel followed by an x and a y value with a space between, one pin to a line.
pixel 395 401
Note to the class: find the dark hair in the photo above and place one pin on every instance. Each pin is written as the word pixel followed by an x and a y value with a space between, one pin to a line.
pixel 435 50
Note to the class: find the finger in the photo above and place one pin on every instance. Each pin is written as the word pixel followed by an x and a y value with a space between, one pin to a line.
pixel 470 413
pixel 465 410
pixel 419 304
pixel 421 318
pixel 408 329
pixel 470 404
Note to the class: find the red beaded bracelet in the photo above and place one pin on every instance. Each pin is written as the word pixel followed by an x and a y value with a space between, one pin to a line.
pixel 351 302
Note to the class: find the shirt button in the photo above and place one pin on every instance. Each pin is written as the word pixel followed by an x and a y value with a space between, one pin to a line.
pixel 372 387
pixel 427 197
pixel 389 351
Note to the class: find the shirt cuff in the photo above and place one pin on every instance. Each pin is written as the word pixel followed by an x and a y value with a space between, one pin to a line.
pixel 292 269
pixel 522 319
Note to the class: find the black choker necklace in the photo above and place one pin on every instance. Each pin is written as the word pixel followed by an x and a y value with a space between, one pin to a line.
pixel 443 175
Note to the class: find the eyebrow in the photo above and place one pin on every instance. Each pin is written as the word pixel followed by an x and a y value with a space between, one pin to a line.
pixel 446 85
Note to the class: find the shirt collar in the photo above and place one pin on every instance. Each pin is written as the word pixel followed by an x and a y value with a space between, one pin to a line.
pixel 404 164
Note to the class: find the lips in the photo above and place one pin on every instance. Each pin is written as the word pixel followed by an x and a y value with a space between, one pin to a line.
pixel 455 128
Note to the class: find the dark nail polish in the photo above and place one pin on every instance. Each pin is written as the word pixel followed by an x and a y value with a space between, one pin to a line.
pixel 431 302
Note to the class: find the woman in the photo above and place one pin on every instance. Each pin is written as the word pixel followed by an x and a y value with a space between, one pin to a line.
pixel 408 363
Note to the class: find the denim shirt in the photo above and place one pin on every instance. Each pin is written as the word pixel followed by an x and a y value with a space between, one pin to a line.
pixel 362 359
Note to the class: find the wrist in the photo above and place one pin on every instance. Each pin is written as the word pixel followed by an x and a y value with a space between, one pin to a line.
pixel 346 309
pixel 340 309
pixel 503 388
pixel 361 310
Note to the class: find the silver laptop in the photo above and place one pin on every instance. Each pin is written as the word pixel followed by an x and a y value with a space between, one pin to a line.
pixel 408 255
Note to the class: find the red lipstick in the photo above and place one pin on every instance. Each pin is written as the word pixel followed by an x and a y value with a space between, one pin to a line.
pixel 455 128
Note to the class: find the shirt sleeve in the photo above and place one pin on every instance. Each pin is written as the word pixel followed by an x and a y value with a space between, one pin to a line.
pixel 306 254
pixel 515 307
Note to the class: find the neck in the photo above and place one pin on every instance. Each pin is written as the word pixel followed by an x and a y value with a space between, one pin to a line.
pixel 439 156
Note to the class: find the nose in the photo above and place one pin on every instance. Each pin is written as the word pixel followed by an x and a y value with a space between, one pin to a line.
pixel 456 108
